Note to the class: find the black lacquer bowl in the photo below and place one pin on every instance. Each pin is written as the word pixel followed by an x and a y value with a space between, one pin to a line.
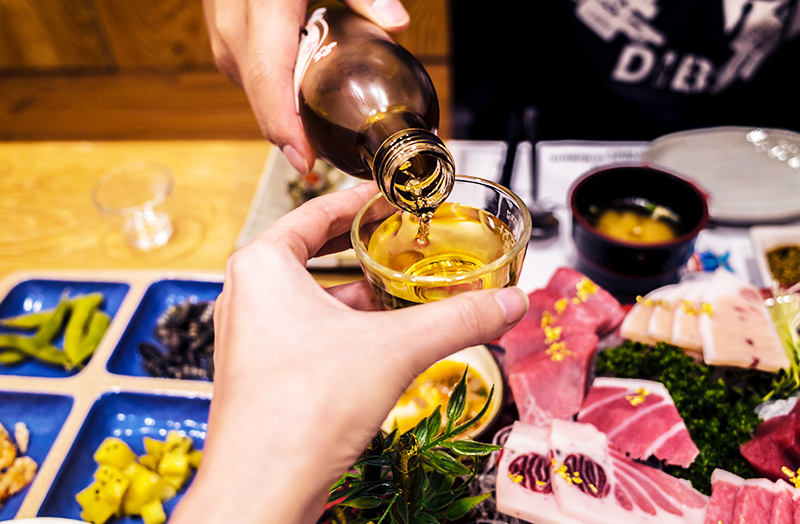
pixel 628 269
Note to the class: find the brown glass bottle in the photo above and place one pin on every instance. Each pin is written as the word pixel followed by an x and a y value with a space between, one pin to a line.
pixel 370 109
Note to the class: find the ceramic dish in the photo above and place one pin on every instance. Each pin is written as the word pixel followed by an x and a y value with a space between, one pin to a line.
pixel 69 414
pixel 752 175
pixel 766 238
pixel 480 359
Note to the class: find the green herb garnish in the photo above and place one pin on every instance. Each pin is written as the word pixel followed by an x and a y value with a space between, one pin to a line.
pixel 717 404
pixel 419 477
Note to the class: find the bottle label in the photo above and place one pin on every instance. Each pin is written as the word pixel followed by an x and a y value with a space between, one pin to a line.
pixel 312 47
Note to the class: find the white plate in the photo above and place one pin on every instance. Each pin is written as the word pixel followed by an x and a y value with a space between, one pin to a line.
pixel 766 238
pixel 752 175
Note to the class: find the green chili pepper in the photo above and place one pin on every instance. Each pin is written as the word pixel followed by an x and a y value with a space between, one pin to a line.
pixel 11 357
pixel 28 320
pixel 82 310
pixel 48 331
pixel 46 353
pixel 97 328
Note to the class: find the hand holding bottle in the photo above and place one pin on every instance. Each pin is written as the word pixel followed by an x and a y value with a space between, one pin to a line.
pixel 255 44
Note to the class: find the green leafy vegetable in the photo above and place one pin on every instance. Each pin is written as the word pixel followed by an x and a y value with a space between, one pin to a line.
pixel 717 404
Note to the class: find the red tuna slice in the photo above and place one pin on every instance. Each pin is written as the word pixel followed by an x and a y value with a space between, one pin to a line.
pixel 576 287
pixel 775 444
pixel 679 446
pixel 679 491
pixel 754 502
pixel 765 457
pixel 639 418
pixel 724 487
pixel 552 384
pixel 549 318
pixel 629 478
pixel 782 505
pixel 786 438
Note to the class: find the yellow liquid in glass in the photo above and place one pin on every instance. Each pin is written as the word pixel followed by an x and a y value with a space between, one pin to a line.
pixel 460 239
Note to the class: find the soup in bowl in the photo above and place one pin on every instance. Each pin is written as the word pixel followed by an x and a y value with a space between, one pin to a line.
pixel 634 227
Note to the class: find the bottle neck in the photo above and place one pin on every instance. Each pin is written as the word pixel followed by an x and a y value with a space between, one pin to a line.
pixel 414 170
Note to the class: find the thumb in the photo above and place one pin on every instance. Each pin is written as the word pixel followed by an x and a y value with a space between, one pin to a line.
pixel 389 14
pixel 446 326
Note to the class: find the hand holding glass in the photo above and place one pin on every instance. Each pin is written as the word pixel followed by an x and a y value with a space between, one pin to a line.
pixel 477 240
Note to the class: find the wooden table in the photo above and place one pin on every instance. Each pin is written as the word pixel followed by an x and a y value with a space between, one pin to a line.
pixel 48 221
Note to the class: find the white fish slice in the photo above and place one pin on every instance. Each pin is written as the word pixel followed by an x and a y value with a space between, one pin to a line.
pixel 739 330
pixel 634 325
pixel 659 327
pixel 685 330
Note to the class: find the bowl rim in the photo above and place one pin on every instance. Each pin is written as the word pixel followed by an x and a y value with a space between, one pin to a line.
pixel 689 235
pixel 397 276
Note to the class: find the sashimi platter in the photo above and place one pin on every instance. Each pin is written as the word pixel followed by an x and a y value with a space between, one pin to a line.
pixel 678 408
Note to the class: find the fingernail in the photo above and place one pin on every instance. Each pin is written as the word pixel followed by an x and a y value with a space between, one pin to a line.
pixel 296 159
pixel 514 303
pixel 389 13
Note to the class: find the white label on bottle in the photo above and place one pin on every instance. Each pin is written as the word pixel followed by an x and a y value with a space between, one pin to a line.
pixel 312 47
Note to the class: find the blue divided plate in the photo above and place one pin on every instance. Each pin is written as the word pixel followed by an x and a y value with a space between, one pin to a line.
pixel 159 296
pixel 37 295
pixel 44 415
pixel 130 417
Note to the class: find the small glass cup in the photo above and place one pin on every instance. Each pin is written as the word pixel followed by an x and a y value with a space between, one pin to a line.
pixel 133 192
pixel 414 276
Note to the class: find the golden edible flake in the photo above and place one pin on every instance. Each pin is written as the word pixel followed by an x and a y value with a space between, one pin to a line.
pixel 645 301
pixel 561 469
pixel 547 318
pixel 558 351
pixel 585 288
pixel 561 305
pixel 706 309
pixel 516 479
pixel 793 477
pixel 688 308
pixel 639 397
pixel 552 334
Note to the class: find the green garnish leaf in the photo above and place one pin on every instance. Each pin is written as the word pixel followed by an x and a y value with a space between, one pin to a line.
pixel 471 448
pixel 435 423
pixel 425 518
pixel 445 464
pixel 421 431
pixel 461 507
pixel 362 502
pixel 458 401
pixel 441 501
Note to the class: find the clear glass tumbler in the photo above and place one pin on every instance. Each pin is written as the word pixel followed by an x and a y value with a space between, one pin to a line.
pixel 133 192
pixel 477 240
